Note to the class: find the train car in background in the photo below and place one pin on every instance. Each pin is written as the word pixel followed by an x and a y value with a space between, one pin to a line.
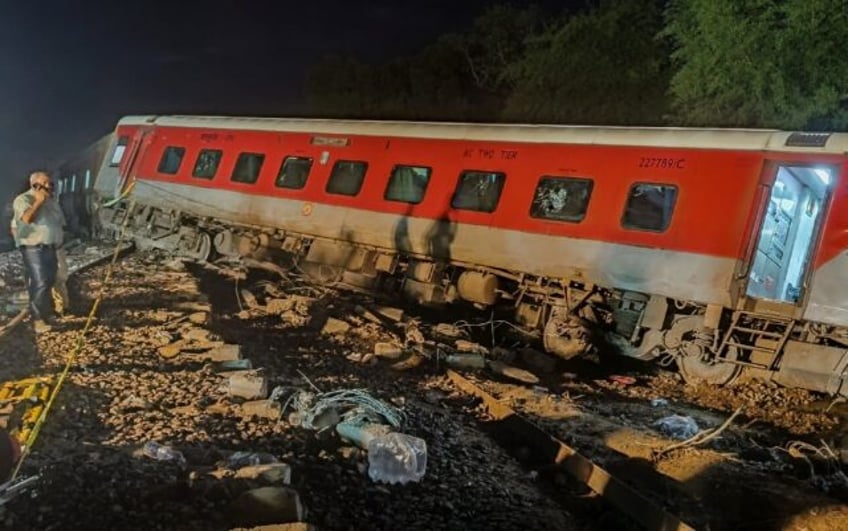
pixel 75 180
pixel 723 250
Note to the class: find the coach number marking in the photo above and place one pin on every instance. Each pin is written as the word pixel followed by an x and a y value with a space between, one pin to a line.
pixel 662 163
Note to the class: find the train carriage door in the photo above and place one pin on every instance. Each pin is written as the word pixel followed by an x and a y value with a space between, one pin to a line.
pixel 129 165
pixel 788 232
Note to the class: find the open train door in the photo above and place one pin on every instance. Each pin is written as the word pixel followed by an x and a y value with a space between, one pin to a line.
pixel 128 167
pixel 777 269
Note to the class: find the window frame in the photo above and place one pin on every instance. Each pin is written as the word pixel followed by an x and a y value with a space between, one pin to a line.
pixel 217 163
pixel 181 150
pixel 123 142
pixel 258 171
pixel 459 180
pixel 626 226
pixel 548 177
pixel 361 181
pixel 423 191
pixel 277 183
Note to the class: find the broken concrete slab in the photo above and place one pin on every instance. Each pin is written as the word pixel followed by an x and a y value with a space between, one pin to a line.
pixel 266 409
pixel 227 352
pixel 197 334
pixel 335 326
pixel 248 384
pixel 393 314
pixel 390 351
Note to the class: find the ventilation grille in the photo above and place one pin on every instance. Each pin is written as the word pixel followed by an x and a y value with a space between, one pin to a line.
pixel 807 139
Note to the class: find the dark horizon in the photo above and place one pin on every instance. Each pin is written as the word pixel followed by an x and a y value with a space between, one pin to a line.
pixel 70 73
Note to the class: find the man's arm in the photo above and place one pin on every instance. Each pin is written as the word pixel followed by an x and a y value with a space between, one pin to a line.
pixel 26 208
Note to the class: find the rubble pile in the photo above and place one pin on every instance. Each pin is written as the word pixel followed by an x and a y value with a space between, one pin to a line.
pixel 180 413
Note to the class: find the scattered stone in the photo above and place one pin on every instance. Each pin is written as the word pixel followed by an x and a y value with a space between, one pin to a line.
pixel 364 313
pixel 250 299
pixel 267 409
pixel 274 473
pixel 199 318
pixel 469 346
pixel 335 326
pixel 389 351
pixel 228 352
pixel 171 351
pixel 394 314
pixel 197 334
pixel 279 306
pixel 448 330
pixel 248 384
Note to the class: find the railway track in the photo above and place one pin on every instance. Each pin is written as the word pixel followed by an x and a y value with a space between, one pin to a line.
pixel 125 391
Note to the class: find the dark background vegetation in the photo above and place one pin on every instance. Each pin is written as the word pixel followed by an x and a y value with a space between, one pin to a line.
pixel 71 69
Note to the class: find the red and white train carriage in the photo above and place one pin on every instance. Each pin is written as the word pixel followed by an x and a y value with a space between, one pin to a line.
pixel 723 248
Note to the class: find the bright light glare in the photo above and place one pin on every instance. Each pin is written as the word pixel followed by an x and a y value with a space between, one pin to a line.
pixel 823 175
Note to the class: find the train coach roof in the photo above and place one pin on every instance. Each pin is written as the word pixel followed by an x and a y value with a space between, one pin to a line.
pixel 673 137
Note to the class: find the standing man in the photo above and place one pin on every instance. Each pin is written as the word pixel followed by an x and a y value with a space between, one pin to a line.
pixel 38 226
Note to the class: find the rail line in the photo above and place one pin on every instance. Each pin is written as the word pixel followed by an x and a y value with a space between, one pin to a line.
pixel 519 432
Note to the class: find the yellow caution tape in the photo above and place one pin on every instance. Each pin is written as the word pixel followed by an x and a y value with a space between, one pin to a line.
pixel 32 434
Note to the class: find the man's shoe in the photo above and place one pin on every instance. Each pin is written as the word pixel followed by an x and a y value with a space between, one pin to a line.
pixel 42 327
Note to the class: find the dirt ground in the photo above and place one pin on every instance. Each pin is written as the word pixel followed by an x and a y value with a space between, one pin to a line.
pixel 768 470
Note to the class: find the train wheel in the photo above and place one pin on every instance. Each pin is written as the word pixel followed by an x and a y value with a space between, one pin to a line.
pixel 203 247
pixel 565 335
pixel 697 365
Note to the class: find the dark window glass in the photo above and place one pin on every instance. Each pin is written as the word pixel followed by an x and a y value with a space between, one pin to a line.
pixel 120 149
pixel 294 172
pixel 478 190
pixel 649 207
pixel 247 167
pixel 207 163
pixel 407 184
pixel 561 198
pixel 171 160
pixel 347 177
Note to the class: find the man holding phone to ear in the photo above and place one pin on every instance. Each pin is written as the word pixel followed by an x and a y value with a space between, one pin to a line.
pixel 38 233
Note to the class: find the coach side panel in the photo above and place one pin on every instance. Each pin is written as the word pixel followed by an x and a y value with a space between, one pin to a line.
pixel 693 257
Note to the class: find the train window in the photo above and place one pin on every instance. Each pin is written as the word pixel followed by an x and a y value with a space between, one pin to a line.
pixel 247 167
pixel 347 177
pixel 478 190
pixel 561 198
pixel 649 207
pixel 207 163
pixel 171 160
pixel 120 149
pixel 294 172
pixel 407 184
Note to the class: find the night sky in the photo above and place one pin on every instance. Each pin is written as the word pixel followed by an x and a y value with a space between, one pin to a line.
pixel 71 69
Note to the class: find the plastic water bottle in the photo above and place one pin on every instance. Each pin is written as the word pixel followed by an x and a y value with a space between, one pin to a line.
pixel 243 459
pixel 163 453
pixel 396 458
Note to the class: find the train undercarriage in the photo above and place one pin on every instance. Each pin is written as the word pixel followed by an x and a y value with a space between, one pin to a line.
pixel 568 317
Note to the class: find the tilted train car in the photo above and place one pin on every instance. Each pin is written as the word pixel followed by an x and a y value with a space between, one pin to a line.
pixel 722 249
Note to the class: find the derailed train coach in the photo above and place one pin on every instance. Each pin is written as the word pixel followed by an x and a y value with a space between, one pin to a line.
pixel 722 250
